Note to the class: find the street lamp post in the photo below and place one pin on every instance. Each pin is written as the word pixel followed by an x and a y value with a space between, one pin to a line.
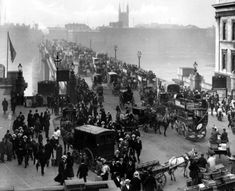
pixel 139 54
pixel 20 86
pixel 115 51
pixel 57 61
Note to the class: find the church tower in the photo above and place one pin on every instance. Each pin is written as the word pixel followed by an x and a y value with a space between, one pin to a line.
pixel 123 17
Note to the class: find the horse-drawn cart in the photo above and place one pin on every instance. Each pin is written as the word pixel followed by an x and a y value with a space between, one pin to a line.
pixel 157 169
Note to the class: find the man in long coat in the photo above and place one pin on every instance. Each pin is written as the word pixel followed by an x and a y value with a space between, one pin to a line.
pixel 149 184
pixel 9 149
pixel 82 170
pixel 2 150
pixel 4 105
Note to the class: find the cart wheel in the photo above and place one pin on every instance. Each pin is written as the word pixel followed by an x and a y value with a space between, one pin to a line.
pixel 161 179
pixel 89 157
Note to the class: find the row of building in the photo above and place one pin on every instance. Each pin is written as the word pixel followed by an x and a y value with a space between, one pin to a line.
pixel 225 43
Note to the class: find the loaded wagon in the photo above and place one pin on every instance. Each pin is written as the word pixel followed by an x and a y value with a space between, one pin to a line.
pixel 156 168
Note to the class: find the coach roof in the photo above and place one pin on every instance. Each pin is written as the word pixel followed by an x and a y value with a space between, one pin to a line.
pixel 92 129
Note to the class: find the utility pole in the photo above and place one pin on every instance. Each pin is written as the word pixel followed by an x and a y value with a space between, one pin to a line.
pixel 57 61
pixel 115 52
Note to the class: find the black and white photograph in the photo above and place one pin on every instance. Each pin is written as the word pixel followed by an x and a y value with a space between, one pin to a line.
pixel 117 95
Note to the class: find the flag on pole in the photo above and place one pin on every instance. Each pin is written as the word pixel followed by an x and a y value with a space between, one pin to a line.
pixel 12 50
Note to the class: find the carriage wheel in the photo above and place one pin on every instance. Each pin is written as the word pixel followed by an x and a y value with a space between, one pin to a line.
pixel 161 179
pixel 89 157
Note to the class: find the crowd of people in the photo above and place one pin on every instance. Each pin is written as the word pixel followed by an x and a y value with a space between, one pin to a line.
pixel 27 140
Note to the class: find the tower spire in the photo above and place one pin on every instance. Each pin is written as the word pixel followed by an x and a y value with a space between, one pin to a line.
pixel 127 8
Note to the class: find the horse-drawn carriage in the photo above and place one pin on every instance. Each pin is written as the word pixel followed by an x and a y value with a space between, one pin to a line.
pixel 126 97
pixel 92 142
pixel 112 77
pixel 192 118
pixel 96 80
pixel 68 114
pixel 148 94
pixel 113 82
pixel 141 114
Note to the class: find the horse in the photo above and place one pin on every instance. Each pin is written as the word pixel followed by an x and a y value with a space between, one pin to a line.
pixel 161 121
pixel 66 134
pixel 180 162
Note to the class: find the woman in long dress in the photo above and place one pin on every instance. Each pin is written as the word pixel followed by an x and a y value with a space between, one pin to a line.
pixel 69 166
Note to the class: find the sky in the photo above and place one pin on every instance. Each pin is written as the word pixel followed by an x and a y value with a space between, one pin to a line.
pixel 101 12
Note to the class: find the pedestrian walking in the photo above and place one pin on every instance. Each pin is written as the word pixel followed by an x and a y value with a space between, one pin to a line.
pixel 41 119
pixel 25 151
pixel 46 124
pixel 82 170
pixel 4 105
pixel 194 172
pixel 61 170
pixel 9 149
pixel 69 166
pixel 59 153
pixel 212 104
pixel 136 182
pixel 2 150
pixel 149 183
pixel 48 151
pixel 42 159
pixel 138 147
pixel 30 119
pixel 13 105
pixel 20 151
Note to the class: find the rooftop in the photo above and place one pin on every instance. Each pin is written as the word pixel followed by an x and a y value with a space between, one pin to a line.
pixel 223 3
pixel 93 129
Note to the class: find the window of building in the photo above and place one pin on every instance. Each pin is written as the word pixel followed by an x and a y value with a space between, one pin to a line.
pixel 233 30
pixel 233 61
pixel 224 59
pixel 224 30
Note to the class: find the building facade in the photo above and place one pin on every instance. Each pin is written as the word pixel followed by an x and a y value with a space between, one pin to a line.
pixel 225 41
